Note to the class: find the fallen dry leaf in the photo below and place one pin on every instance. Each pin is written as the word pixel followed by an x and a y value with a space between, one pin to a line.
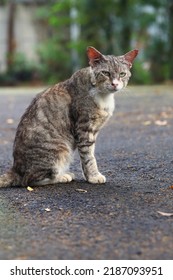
pixel 47 209
pixel 165 115
pixel 171 187
pixel 146 123
pixel 9 121
pixel 165 214
pixel 30 189
pixel 81 190
pixel 161 123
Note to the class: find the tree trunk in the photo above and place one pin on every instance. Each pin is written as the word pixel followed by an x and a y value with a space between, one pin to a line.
pixel 170 55
pixel 10 34
pixel 126 12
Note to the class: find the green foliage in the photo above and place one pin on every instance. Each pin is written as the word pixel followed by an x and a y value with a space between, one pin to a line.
pixel 56 53
pixel 54 61
pixel 20 71
pixel 141 73
pixel 112 26
pixel 21 65
pixel 3 2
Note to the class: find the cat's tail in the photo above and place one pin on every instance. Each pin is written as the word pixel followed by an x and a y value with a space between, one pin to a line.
pixel 10 179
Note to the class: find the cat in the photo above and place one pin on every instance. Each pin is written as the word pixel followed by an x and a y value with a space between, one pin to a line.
pixel 64 117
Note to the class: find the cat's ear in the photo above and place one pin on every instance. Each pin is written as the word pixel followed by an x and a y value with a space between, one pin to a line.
pixel 130 56
pixel 94 56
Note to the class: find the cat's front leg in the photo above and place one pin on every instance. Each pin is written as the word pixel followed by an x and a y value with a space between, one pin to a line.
pixel 89 164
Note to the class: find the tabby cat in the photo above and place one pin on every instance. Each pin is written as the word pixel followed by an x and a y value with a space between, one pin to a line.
pixel 64 117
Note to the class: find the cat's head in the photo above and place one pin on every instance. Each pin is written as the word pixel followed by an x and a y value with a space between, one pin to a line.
pixel 110 73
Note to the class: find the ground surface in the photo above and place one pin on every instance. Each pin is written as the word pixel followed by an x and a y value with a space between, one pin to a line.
pixel 117 220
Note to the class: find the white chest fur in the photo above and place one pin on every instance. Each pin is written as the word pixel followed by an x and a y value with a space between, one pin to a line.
pixel 105 102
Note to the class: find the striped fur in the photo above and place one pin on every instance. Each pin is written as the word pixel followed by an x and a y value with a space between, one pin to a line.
pixel 64 117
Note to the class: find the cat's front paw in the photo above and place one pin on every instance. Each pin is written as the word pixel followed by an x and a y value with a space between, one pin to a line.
pixel 65 178
pixel 97 179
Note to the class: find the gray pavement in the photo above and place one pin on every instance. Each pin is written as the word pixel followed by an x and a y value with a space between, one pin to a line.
pixel 117 220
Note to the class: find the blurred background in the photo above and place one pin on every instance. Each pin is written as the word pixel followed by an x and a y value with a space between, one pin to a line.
pixel 44 41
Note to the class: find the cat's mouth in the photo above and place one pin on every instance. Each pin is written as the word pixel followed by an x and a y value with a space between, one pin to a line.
pixel 115 88
pixel 117 84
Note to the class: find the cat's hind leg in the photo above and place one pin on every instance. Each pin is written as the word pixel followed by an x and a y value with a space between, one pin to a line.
pixel 65 178
pixel 50 170
pixel 41 178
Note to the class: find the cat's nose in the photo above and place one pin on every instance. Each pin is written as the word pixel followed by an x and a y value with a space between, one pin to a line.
pixel 114 84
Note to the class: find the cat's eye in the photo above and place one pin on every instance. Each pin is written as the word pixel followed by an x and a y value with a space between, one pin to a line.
pixel 122 74
pixel 106 73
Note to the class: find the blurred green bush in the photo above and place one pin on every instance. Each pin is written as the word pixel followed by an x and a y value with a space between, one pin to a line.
pixel 114 27
pixel 21 70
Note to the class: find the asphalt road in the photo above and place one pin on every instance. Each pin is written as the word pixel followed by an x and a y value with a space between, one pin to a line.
pixel 117 220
